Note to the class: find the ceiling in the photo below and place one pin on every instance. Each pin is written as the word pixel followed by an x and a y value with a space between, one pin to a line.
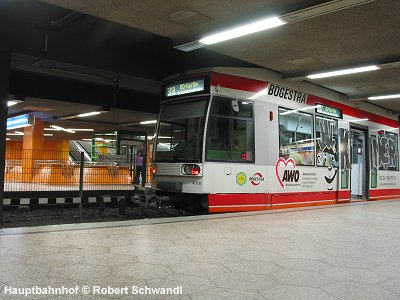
pixel 360 35
pixel 52 112
pixel 113 55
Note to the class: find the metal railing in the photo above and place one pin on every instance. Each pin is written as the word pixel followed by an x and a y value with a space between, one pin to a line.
pixel 47 170
pixel 47 187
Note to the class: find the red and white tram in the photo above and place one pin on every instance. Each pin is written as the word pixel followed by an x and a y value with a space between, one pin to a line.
pixel 235 139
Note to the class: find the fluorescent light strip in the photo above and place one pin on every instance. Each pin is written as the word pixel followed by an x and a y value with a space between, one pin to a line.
pixel 59 128
pixel 56 127
pixel 68 130
pixel 8 139
pixel 48 134
pixel 92 113
pixel 148 122
pixel 384 97
pixel 13 102
pixel 51 129
pixel 81 129
pixel 343 72
pixel 242 30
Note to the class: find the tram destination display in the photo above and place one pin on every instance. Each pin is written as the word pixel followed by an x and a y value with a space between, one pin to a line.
pixel 329 111
pixel 184 88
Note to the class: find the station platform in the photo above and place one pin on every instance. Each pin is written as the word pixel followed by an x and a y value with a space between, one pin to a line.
pixel 348 251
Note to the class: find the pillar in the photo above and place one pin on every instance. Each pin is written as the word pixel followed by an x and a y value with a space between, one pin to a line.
pixel 5 62
pixel 32 149
pixel 63 149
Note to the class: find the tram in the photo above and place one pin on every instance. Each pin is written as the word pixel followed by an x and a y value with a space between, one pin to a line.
pixel 243 139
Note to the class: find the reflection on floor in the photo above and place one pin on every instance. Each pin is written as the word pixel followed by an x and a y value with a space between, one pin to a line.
pixel 343 252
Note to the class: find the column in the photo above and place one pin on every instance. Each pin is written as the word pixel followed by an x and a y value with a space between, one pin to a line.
pixel 32 149
pixel 5 62
pixel 63 149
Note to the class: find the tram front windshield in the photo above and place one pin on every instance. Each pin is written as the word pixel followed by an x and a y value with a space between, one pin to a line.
pixel 180 132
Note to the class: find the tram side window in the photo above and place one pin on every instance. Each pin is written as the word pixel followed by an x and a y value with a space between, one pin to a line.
pixel 230 133
pixel 326 131
pixel 388 151
pixel 296 136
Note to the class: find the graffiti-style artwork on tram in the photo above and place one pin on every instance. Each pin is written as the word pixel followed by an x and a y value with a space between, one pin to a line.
pixel 344 157
pixel 233 139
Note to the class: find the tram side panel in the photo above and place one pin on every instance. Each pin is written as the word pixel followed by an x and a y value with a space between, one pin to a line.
pixel 273 181
pixel 384 177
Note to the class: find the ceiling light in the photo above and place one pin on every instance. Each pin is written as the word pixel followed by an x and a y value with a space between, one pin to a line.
pixel 51 129
pixel 68 117
pixel 86 139
pixel 148 122
pixel 242 30
pixel 16 133
pixel 13 102
pixel 384 97
pixel 7 139
pixel 48 134
pixel 56 127
pixel 81 129
pixel 92 113
pixel 343 72
pixel 59 128
pixel 68 130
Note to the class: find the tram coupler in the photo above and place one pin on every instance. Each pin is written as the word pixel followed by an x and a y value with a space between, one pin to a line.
pixel 147 198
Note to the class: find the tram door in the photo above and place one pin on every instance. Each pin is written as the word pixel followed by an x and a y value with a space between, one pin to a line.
pixel 358 164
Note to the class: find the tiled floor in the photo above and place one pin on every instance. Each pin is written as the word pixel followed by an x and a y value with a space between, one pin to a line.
pixel 339 252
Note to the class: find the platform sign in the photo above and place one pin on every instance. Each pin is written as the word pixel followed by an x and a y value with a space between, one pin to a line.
pixel 20 121
pixel 329 111
pixel 189 86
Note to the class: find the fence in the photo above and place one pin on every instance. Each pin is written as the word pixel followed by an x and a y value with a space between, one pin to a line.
pixel 42 170
pixel 84 190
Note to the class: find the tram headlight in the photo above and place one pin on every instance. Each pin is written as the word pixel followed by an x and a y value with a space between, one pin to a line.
pixel 191 169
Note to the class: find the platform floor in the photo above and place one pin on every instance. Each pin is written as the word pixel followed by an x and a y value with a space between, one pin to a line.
pixel 347 251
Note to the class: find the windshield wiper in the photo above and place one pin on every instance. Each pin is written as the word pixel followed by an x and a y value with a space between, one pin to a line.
pixel 192 139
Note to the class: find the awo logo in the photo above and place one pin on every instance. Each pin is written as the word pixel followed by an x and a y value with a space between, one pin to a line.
pixel 290 174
